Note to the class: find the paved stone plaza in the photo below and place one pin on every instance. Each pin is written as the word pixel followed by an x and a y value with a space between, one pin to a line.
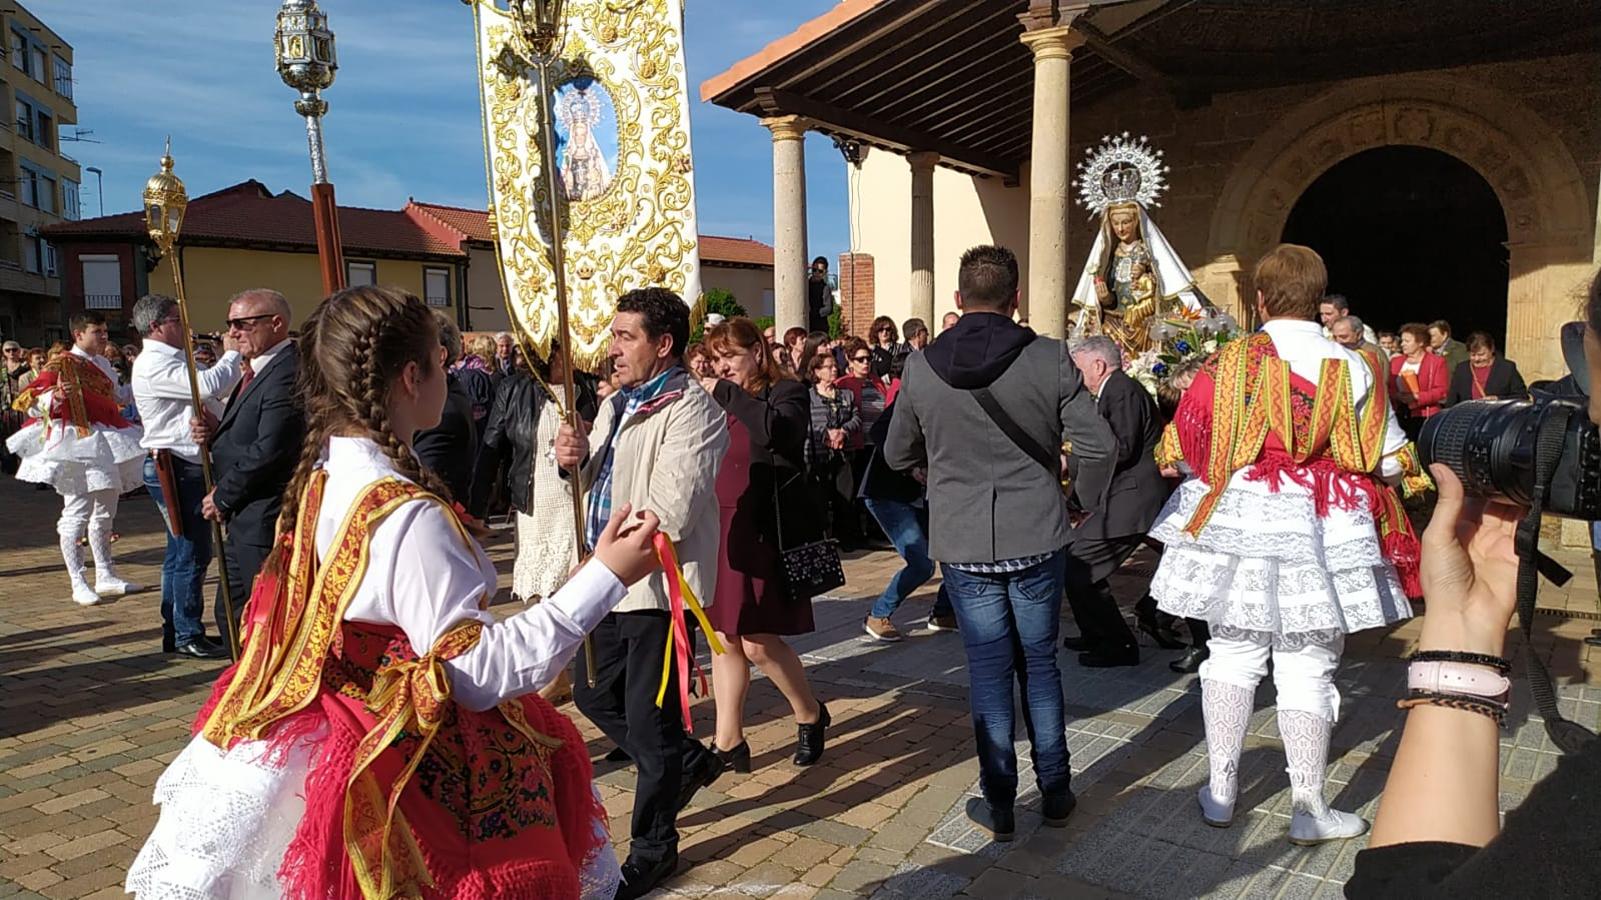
pixel 90 711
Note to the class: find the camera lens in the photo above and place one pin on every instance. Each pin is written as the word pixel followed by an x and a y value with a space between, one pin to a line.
pixel 1491 446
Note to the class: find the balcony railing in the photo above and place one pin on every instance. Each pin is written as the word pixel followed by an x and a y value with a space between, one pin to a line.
pixel 102 301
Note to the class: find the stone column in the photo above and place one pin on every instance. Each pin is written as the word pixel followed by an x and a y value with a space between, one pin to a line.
pixel 923 163
pixel 1050 181
pixel 789 221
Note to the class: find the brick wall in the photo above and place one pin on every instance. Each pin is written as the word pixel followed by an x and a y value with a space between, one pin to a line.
pixel 856 292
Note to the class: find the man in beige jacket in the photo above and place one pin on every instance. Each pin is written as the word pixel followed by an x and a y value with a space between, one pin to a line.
pixel 657 444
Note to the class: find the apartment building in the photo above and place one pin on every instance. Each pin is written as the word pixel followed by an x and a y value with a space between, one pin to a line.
pixel 38 183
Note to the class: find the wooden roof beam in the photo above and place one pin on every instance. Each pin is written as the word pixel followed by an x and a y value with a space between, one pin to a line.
pixel 828 117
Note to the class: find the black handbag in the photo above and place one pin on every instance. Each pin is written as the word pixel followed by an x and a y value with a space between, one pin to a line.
pixel 810 569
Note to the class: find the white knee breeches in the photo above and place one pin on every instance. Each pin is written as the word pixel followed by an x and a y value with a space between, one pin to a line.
pixel 1303 666
pixel 80 512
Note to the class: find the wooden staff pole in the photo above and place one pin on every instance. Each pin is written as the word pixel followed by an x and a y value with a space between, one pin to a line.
pixel 547 157
pixel 205 452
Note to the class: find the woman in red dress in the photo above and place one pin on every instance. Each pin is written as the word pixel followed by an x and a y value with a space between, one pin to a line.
pixel 1418 379
pixel 761 490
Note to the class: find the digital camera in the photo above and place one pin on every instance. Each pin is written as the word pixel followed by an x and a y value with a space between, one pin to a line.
pixel 1491 445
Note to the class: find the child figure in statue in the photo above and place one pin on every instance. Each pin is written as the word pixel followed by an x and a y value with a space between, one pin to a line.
pixel 1126 315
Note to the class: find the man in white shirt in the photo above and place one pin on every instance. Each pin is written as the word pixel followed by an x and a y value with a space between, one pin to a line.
pixel 172 472
pixel 1335 306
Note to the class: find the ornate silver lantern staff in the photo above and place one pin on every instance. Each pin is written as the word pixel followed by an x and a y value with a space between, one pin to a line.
pixel 165 201
pixel 304 50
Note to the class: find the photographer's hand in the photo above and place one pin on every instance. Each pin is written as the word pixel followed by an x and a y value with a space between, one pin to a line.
pixel 1469 571
pixel 1444 782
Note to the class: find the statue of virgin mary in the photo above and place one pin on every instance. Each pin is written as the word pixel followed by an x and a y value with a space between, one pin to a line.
pixel 1132 277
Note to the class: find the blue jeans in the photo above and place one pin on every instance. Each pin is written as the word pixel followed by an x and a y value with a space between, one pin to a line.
pixel 183 568
pixel 907 528
pixel 1009 624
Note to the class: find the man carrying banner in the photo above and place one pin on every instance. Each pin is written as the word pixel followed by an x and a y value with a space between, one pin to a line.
pixel 656 444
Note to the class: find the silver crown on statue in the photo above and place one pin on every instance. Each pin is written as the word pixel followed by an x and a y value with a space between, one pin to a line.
pixel 1121 170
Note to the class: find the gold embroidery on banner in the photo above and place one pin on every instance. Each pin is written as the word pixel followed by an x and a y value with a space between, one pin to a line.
pixel 637 232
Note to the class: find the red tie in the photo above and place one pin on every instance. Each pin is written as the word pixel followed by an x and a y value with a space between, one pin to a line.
pixel 250 375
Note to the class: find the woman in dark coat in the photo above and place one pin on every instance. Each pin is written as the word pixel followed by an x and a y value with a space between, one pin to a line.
pixel 761 490
pixel 1485 376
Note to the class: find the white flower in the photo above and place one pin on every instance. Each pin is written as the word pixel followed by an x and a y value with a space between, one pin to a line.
pixel 1209 347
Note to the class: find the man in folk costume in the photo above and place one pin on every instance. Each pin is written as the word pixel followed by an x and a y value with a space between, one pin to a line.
pixel 381 735
pixel 1290 535
pixel 78 442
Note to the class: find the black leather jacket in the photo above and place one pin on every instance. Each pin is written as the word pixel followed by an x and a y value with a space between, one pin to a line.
pixel 512 427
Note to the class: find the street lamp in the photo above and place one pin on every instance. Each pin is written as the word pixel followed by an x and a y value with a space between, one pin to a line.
pixel 100 188
pixel 165 202
pixel 303 48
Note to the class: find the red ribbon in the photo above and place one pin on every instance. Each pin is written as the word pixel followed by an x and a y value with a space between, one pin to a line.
pixel 679 596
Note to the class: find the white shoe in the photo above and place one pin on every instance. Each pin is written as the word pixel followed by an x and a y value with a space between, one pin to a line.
pixel 1307 830
pixel 84 595
pixel 113 586
pixel 1213 812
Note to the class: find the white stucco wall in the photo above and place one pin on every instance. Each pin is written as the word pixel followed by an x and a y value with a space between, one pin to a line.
pixel 967 211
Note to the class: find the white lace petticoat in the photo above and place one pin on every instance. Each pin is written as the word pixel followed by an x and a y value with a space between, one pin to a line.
pixel 227 818
pixel 104 459
pixel 1267 562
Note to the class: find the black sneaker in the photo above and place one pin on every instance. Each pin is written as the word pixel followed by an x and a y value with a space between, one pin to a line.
pixel 640 877
pixel 1056 808
pixel 1000 823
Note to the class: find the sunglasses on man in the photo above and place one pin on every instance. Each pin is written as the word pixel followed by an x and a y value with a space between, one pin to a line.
pixel 244 323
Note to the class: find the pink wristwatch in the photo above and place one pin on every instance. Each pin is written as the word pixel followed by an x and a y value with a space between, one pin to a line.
pixel 1458 678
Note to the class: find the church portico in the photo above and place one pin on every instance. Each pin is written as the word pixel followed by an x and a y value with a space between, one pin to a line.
pixel 1250 105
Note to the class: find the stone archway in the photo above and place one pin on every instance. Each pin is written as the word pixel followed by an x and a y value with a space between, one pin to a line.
pixel 1550 222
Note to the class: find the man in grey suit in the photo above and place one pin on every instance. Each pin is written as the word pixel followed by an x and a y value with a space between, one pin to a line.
pixel 985 409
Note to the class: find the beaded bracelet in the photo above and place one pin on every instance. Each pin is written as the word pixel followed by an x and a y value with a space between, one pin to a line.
pixel 1489 708
pixel 1499 663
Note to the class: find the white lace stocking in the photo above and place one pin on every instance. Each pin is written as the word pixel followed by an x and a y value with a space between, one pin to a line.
pixel 100 546
pixel 1306 750
pixel 1227 710
pixel 72 554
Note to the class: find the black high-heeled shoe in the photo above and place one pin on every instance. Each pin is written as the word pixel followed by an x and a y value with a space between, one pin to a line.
pixel 810 738
pixel 737 759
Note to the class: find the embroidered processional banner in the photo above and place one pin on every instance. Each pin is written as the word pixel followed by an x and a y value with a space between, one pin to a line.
pixel 622 153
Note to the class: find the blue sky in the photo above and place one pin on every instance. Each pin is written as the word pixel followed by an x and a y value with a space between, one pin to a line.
pixel 403 119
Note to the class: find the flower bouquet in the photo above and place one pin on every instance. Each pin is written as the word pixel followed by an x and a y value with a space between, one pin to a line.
pixel 1186 335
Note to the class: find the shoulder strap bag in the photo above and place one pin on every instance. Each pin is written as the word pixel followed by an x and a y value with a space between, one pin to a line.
pixel 810 569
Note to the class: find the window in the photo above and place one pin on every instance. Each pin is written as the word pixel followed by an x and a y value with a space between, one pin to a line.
pixel 32 254
pixel 50 259
pixel 37 66
pixel 359 273
pixel 19 50
pixel 24 119
pixel 436 286
pixel 28 186
pixel 69 199
pixel 45 131
pixel 63 78
pixel 47 194
pixel 102 281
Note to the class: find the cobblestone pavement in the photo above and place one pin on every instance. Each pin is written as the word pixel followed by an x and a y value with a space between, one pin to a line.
pixel 90 712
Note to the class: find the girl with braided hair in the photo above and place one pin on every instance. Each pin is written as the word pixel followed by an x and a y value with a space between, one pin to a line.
pixel 381 734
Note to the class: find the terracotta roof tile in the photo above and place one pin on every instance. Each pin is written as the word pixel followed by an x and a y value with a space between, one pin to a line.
pixel 250 213
pixel 742 251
